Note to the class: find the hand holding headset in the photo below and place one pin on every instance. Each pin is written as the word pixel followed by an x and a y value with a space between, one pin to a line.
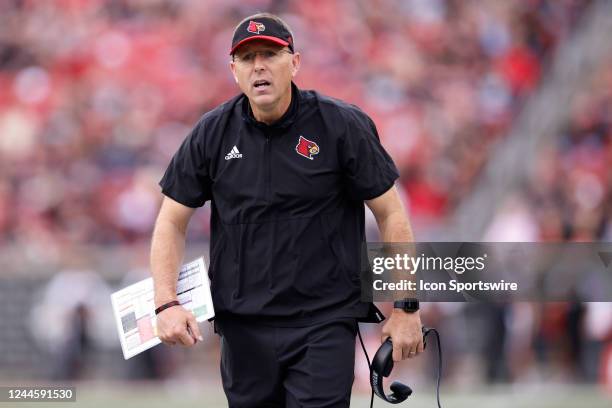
pixel 382 365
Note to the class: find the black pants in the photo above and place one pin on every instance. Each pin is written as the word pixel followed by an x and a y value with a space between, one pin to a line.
pixel 266 366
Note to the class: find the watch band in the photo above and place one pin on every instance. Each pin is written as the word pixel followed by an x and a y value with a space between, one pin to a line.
pixel 408 305
pixel 166 306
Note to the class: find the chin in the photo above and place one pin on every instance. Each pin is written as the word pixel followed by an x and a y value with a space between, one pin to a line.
pixel 263 101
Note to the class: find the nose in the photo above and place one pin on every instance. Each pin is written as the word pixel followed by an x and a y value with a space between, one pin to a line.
pixel 258 63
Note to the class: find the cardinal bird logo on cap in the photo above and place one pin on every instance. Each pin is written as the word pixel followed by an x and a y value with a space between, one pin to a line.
pixel 255 27
pixel 307 148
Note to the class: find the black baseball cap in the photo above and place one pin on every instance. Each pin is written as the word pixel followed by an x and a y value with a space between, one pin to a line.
pixel 263 28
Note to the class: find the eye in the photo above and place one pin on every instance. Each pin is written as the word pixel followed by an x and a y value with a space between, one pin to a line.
pixel 269 54
pixel 248 57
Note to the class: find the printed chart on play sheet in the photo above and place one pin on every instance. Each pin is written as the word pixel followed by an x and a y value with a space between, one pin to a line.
pixel 134 308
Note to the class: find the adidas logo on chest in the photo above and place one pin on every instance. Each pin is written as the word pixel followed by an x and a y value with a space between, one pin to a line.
pixel 233 154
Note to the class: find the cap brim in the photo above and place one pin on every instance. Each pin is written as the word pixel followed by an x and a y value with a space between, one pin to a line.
pixel 260 37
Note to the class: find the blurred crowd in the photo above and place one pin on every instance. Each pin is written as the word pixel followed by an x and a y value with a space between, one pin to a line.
pixel 95 96
pixel 569 195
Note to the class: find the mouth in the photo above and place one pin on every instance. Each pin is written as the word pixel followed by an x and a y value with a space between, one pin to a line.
pixel 261 84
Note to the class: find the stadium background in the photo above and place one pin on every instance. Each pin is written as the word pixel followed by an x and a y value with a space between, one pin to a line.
pixel 497 113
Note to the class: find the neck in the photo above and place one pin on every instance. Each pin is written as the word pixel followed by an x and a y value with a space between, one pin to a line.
pixel 273 113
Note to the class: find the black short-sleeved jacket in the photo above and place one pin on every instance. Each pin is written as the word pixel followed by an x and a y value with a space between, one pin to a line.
pixel 287 220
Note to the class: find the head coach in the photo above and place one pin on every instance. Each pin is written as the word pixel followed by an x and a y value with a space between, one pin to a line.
pixel 287 172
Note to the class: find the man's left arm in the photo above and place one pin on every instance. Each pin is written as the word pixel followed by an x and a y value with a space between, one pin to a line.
pixel 394 226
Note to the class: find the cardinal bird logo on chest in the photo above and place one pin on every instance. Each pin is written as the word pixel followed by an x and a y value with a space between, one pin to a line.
pixel 307 148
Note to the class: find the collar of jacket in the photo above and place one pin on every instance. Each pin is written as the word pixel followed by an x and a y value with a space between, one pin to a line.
pixel 283 123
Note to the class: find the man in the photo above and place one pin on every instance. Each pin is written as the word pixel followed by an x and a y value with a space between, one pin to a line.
pixel 287 172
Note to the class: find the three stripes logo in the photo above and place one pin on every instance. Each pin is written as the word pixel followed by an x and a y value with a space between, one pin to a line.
pixel 233 154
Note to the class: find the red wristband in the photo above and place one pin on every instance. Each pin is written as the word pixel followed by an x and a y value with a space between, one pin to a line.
pixel 166 306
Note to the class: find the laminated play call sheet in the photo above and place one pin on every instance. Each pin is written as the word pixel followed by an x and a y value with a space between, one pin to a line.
pixel 134 307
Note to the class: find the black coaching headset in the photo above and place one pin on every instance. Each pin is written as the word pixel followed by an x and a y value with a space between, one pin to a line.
pixel 382 364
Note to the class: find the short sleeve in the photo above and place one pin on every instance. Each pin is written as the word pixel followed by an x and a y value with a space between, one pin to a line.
pixel 187 179
pixel 368 169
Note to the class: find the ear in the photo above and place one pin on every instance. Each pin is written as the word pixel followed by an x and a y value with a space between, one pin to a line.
pixel 295 62
pixel 232 65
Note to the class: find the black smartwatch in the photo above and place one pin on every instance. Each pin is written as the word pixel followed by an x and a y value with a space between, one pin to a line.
pixel 408 305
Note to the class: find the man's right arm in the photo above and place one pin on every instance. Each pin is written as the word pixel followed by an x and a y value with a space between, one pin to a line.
pixel 175 324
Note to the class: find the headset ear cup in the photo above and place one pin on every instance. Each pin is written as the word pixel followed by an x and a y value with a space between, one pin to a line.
pixel 401 391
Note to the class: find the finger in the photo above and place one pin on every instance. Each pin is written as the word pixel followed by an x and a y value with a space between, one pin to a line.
pixel 194 329
pixel 397 353
pixel 413 350
pixel 409 350
pixel 185 338
pixel 421 347
pixel 167 341
pixel 162 337
pixel 179 335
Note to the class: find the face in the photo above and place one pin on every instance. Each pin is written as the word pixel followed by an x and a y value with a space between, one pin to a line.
pixel 263 71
